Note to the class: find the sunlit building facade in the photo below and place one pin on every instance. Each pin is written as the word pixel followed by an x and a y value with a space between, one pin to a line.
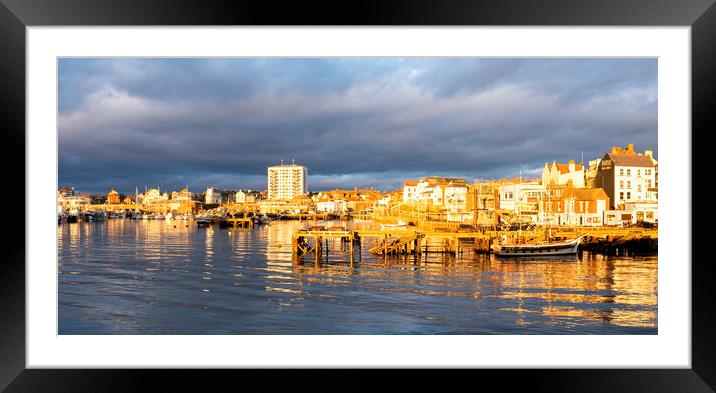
pixel 286 181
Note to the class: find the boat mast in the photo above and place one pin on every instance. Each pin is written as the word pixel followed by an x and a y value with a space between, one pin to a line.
pixel 549 213
pixel 517 206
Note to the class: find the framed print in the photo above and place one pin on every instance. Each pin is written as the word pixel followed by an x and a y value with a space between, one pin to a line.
pixel 394 193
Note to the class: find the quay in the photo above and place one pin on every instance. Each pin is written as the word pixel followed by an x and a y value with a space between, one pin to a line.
pixel 317 241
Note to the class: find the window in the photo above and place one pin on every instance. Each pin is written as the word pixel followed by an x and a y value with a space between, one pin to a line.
pixel 628 195
pixel 638 188
pixel 621 195
pixel 628 172
pixel 638 172
pixel 621 183
pixel 628 184
pixel 621 171
pixel 648 183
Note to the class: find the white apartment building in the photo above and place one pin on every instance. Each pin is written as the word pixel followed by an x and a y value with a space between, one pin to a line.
pixel 212 196
pixel 286 181
pixel 627 176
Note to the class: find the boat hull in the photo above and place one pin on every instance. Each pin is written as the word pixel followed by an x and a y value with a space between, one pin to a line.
pixel 545 250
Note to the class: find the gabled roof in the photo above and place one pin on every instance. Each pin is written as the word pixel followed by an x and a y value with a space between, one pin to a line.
pixel 631 160
pixel 584 194
pixel 564 168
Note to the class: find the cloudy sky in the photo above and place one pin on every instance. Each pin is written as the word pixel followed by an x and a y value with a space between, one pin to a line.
pixel 126 123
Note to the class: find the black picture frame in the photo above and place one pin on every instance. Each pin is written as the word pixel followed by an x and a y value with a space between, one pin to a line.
pixel 15 15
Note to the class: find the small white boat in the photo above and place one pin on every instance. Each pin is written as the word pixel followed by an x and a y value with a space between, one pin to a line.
pixel 263 219
pixel 399 225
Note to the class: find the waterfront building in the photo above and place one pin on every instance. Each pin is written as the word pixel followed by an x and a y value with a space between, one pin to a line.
pixel 127 200
pixel 247 196
pixel 183 195
pixel 176 206
pixel 327 204
pixel 647 211
pixel 562 173
pixel 98 199
pixel 410 191
pixel 575 206
pixel 212 196
pixel 447 192
pixel 153 195
pixel 626 176
pixel 591 172
pixel 455 198
pixel 521 196
pixel 481 199
pixel 71 202
pixel 66 191
pixel 286 181
pixel 267 206
pixel 341 201
pixel 113 197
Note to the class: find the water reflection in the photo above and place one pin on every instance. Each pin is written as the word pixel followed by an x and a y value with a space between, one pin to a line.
pixel 168 277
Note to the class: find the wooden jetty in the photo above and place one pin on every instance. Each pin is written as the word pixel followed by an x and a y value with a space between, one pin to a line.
pixel 316 241
pixel 243 222
pixel 398 242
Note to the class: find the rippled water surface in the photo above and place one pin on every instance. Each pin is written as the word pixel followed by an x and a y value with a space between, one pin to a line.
pixel 157 277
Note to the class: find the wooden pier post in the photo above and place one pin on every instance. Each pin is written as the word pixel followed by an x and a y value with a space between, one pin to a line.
pixel 317 250
pixel 351 240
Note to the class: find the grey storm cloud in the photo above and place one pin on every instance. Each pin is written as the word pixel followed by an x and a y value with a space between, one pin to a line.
pixel 127 123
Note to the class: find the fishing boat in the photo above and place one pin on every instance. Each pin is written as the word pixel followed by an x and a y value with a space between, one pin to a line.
pixel 567 247
pixel 546 248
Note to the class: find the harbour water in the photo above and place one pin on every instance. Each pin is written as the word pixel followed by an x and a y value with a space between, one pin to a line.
pixel 124 276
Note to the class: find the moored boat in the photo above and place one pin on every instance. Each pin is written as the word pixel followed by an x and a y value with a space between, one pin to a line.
pixel 263 219
pixel 399 225
pixel 568 247
pixel 72 215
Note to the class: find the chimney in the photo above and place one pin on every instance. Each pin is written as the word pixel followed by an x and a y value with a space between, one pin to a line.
pixel 649 153
pixel 630 147
pixel 571 165
pixel 615 149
